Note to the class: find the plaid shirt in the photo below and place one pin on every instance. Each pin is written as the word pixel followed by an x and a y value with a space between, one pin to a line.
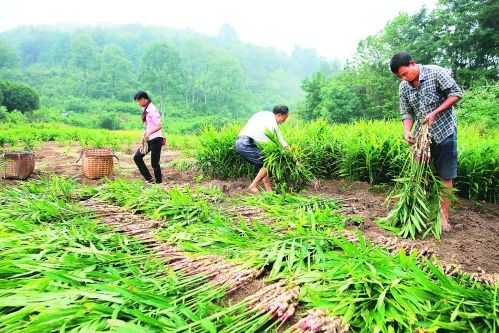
pixel 436 84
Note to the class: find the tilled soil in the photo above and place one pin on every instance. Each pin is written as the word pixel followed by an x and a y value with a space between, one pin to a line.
pixel 473 244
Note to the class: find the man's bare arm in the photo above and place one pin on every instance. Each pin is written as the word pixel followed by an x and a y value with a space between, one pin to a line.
pixel 408 123
pixel 448 103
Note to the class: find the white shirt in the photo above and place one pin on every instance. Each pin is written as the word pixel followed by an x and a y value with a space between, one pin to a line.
pixel 260 123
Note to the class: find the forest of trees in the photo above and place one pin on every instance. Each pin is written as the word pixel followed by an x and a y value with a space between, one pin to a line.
pixel 94 71
pixel 462 35
pixel 191 74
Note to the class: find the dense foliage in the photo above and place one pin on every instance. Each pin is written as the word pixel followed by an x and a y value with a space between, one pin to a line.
pixel 460 35
pixel 367 151
pixel 480 106
pixel 20 97
pixel 190 73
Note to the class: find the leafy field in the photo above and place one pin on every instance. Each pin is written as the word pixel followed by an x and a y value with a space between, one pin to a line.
pixel 29 135
pixel 64 269
pixel 367 151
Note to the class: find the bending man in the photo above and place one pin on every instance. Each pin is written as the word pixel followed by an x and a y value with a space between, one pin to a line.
pixel 254 133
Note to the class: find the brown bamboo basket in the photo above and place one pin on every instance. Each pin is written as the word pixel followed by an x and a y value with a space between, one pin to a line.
pixel 18 165
pixel 97 163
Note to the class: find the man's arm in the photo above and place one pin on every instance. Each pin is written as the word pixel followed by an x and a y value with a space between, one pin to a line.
pixel 406 114
pixel 450 88
pixel 448 103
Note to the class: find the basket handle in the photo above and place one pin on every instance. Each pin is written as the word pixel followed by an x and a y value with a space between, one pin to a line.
pixel 81 155
pixel 79 158
pixel 3 166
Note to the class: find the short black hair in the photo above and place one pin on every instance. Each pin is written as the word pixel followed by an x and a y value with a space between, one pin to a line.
pixel 280 109
pixel 141 94
pixel 399 60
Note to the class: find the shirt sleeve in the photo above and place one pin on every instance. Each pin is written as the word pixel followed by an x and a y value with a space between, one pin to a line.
pixel 406 111
pixel 447 84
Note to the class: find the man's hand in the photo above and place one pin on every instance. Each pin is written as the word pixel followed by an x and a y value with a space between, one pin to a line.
pixel 409 138
pixel 430 118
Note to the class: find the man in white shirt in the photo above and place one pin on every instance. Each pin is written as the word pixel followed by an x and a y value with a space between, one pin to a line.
pixel 255 133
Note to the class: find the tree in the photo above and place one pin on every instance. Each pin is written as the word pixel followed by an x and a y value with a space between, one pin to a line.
pixel 116 73
pixel 313 95
pixel 226 86
pixel 83 63
pixel 109 121
pixel 8 57
pixel 469 32
pixel 460 34
pixel 161 72
pixel 339 103
pixel 19 97
pixel 480 106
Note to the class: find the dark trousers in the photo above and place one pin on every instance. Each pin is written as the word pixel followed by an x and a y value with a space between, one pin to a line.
pixel 155 149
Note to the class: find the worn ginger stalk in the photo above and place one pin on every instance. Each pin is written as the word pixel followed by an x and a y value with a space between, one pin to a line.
pixel 319 321
pixel 278 300
pixel 417 211
pixel 227 276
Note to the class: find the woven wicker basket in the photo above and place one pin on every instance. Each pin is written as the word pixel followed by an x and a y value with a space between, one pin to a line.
pixel 97 163
pixel 18 165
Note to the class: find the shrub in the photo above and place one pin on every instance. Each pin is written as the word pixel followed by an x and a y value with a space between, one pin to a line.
pixel 3 114
pixel 479 106
pixel 19 97
pixel 77 105
pixel 109 121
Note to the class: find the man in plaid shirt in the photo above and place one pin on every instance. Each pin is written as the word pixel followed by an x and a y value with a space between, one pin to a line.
pixel 427 94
